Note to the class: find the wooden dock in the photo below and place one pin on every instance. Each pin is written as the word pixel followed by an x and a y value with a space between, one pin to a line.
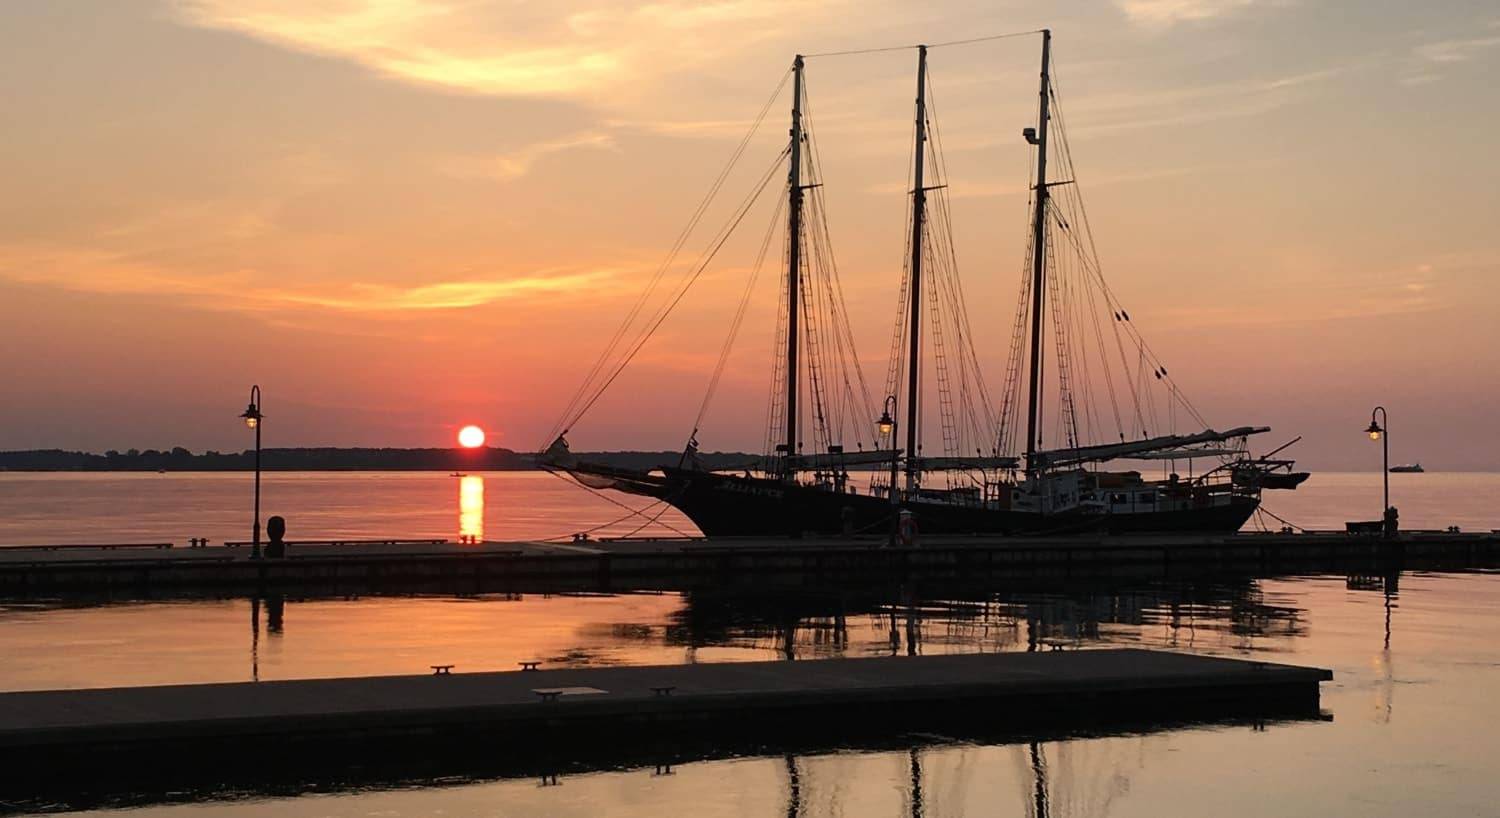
pixel 680 564
pixel 572 712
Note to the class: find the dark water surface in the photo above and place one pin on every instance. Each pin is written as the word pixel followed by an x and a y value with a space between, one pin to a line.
pixel 1411 713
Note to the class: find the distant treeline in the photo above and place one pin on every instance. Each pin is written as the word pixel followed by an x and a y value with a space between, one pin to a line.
pixel 329 459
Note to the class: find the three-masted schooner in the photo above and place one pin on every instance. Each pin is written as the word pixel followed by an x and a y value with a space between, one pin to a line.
pixel 1000 485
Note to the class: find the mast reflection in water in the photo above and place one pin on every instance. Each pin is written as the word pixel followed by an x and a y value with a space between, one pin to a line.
pixel 471 508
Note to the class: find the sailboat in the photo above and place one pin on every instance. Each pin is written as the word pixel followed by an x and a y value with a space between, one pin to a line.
pixel 987 481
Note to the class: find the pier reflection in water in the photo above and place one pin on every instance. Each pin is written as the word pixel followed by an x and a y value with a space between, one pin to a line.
pixel 1390 758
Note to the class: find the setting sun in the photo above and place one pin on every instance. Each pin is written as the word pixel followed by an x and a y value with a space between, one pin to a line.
pixel 471 437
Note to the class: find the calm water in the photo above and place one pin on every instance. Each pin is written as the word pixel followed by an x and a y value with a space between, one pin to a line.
pixel 1412 706
pixel 1416 659
pixel 125 507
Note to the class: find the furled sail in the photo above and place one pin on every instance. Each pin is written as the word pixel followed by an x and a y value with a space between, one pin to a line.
pixel 1058 458
pixel 1185 454
pixel 941 463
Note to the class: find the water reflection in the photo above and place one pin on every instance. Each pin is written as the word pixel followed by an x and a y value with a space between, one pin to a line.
pixel 471 508
pixel 1448 626
pixel 275 625
pixel 942 770
pixel 1388 585
pixel 1035 778
pixel 1057 775
pixel 1227 616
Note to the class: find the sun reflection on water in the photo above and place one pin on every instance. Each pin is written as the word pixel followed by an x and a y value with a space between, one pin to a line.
pixel 471 508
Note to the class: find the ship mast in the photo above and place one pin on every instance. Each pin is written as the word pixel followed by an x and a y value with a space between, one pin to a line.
pixel 793 269
pixel 918 208
pixel 1038 260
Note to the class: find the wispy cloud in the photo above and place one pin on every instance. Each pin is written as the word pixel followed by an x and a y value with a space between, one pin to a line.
pixel 517 163
pixel 1201 103
pixel 575 47
pixel 1458 50
pixel 1170 12
pixel 1429 61
pixel 245 290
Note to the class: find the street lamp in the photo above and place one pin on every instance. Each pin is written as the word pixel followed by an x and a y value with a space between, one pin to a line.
pixel 887 427
pixel 253 419
pixel 1378 431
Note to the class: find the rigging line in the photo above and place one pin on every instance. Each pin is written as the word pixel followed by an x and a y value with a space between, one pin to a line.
pixel 990 38
pixel 671 256
pixel 739 318
pixel 1086 317
pixel 666 309
pixel 1088 258
pixel 1109 380
pixel 1094 262
pixel 603 496
pixel 655 519
pixel 776 395
pixel 896 363
pixel 958 307
pixel 610 524
pixel 816 360
pixel 934 45
pixel 842 319
pixel 859 51
pixel 1279 518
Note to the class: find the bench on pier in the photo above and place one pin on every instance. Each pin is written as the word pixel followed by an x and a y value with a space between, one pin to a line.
pixel 442 670
pixel 528 666
pixel 1365 528
pixel 550 694
pixel 96 546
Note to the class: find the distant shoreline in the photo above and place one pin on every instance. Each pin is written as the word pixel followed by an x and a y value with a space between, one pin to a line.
pixel 332 459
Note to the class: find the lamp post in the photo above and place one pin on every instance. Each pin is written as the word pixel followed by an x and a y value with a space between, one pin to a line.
pixel 253 419
pixel 887 427
pixel 1380 431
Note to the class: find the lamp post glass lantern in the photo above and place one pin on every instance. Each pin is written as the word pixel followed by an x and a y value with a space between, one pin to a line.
pixel 887 427
pixel 253 419
pixel 1379 430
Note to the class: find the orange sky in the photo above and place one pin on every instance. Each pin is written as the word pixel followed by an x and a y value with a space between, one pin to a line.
pixel 399 216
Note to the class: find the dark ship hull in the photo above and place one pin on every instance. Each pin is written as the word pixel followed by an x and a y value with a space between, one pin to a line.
pixel 723 505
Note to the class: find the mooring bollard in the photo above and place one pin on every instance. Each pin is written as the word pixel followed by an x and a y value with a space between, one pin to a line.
pixel 276 530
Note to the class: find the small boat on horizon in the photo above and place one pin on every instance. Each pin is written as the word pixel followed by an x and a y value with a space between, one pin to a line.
pixel 458 474
pixel 1408 468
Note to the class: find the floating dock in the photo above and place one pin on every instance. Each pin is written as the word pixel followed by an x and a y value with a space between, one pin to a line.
pixel 569 712
pixel 681 564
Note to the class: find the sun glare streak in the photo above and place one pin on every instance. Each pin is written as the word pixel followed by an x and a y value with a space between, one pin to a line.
pixel 471 508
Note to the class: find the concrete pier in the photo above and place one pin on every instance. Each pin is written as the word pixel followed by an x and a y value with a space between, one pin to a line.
pixel 218 727
pixel 684 564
